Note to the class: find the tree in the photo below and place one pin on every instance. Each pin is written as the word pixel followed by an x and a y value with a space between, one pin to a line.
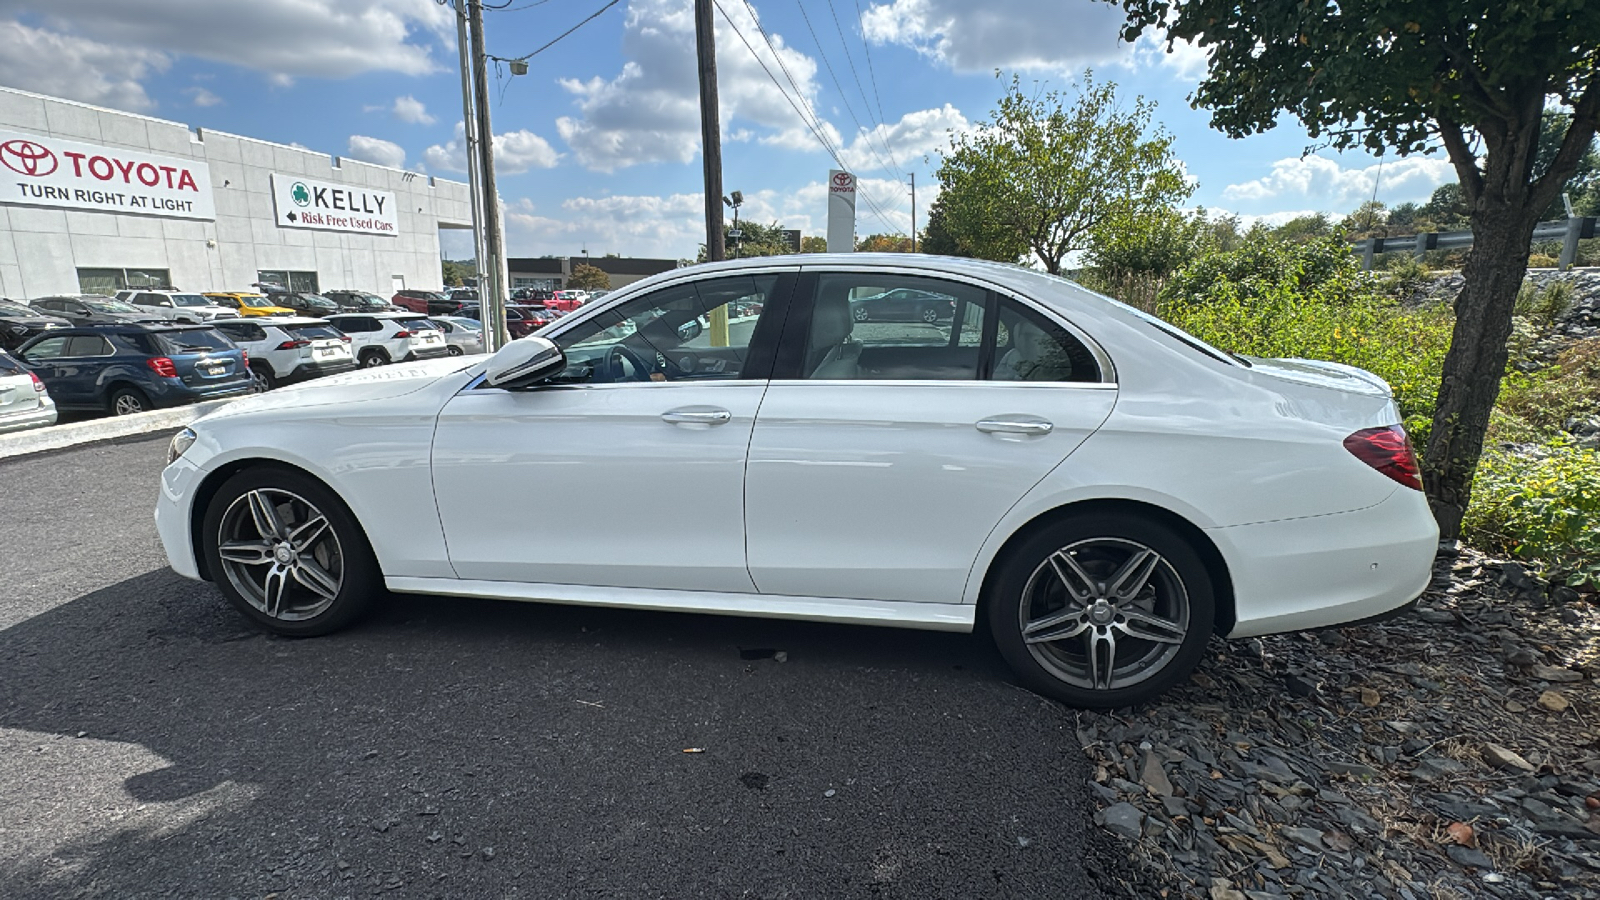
pixel 937 238
pixel 884 243
pixel 1154 244
pixel 1304 228
pixel 1471 75
pixel 456 271
pixel 1041 177
pixel 814 244
pixel 754 239
pixel 589 278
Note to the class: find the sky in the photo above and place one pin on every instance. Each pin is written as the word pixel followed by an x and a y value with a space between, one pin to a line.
pixel 597 146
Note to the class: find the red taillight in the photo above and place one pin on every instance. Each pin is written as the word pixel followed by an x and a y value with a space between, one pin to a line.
pixel 294 345
pixel 162 366
pixel 244 356
pixel 37 384
pixel 345 338
pixel 1389 451
pixel 401 334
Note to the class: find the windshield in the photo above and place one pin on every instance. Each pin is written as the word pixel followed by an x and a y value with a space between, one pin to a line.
pixel 314 332
pixel 189 300
pixel 199 340
pixel 16 309
pixel 113 306
pixel 255 300
pixel 317 301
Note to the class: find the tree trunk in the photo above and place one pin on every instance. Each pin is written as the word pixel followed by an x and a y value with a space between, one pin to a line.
pixel 1501 233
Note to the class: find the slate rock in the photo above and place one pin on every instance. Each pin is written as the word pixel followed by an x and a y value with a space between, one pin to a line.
pixel 1124 819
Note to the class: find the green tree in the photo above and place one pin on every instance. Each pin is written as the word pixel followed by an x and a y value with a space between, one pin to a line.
pixel 1155 244
pixel 1472 75
pixel 1304 228
pixel 938 240
pixel 1043 176
pixel 884 243
pixel 754 239
pixel 456 271
pixel 588 278
pixel 813 244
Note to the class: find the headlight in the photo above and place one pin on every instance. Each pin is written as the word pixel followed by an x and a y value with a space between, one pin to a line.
pixel 181 442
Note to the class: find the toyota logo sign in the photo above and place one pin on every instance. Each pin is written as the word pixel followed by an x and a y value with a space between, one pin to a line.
pixel 843 180
pixel 27 158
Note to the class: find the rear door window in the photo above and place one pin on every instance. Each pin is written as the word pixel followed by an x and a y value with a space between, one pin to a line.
pixel 9 366
pixel 243 331
pixel 83 346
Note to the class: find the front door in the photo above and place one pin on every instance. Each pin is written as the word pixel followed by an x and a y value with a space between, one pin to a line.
pixel 885 453
pixel 627 469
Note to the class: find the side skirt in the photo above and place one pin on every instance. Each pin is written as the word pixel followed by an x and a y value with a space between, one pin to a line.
pixel 929 616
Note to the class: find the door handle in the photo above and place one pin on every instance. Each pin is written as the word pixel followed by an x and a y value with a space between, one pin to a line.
pixel 1015 425
pixel 705 416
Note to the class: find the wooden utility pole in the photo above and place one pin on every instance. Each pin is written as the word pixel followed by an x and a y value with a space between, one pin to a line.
pixel 491 282
pixel 705 42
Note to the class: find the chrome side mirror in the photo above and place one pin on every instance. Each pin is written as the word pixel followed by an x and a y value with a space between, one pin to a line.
pixel 524 362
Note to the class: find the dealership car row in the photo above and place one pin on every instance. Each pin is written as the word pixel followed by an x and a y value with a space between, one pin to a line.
pixel 150 348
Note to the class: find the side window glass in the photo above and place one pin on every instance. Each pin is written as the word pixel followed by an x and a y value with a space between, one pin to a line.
pixel 85 345
pixel 894 327
pixel 1029 347
pixel 49 348
pixel 698 331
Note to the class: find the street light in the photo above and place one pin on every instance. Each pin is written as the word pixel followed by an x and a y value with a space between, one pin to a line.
pixel 735 200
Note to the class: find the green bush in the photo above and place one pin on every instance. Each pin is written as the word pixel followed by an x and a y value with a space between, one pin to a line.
pixel 1543 510
pixel 1321 268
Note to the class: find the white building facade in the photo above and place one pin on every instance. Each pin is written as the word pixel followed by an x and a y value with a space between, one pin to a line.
pixel 94 200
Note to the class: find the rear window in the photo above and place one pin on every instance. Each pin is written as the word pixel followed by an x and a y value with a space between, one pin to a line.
pixel 199 340
pixel 417 324
pixel 314 332
pixel 9 366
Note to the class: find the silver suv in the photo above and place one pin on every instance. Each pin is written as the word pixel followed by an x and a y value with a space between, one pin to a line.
pixel 177 306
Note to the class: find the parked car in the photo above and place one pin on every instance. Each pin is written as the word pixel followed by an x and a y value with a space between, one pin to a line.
pixel 903 305
pixel 18 323
pixel 360 301
pixel 382 338
pixel 462 336
pixel 85 309
pixel 133 368
pixel 522 321
pixel 306 303
pixel 530 296
pixel 247 304
pixel 1105 491
pixel 567 301
pixel 177 306
pixel 290 349
pixel 416 301
pixel 24 400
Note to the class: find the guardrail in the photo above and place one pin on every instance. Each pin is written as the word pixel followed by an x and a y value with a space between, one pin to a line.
pixel 1568 231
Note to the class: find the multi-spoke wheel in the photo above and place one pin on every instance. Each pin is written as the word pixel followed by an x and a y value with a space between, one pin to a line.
pixel 127 401
pixel 860 314
pixel 287 553
pixel 1102 611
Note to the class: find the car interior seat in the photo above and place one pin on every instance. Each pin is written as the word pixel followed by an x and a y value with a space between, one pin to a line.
pixel 1032 356
pixel 831 353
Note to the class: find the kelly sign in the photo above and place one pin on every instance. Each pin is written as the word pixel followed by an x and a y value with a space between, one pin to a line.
pixel 44 171
pixel 306 203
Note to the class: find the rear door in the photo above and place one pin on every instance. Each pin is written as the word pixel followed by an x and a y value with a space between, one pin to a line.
pixel 885 453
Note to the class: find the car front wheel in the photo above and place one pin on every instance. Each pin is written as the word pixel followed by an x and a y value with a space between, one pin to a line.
pixel 1102 611
pixel 287 553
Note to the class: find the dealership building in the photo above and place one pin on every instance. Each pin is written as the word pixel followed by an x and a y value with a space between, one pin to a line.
pixel 95 200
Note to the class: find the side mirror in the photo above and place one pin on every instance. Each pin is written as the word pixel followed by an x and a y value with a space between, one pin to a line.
pixel 524 362
pixel 690 330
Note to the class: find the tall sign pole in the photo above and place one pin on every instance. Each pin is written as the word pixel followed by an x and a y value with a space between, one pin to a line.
pixel 705 42
pixel 491 279
pixel 913 212
pixel 841 212
pixel 470 128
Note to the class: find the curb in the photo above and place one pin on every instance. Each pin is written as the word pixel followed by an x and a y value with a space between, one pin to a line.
pixel 56 437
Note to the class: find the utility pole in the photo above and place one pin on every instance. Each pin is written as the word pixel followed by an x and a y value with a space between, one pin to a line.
pixel 491 283
pixel 913 212
pixel 470 135
pixel 705 42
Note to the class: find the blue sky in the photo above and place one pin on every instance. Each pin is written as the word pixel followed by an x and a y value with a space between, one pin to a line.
pixel 598 145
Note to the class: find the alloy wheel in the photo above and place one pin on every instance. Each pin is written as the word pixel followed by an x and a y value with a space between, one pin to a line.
pixel 281 554
pixel 127 405
pixel 930 315
pixel 859 314
pixel 1104 613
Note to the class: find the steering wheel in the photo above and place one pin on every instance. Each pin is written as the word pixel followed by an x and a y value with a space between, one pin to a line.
pixel 618 352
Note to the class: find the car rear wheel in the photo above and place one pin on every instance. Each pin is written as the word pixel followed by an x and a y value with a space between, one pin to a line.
pixel 1102 611
pixel 287 553
pixel 126 401
pixel 371 359
pixel 859 314
pixel 930 315
pixel 453 350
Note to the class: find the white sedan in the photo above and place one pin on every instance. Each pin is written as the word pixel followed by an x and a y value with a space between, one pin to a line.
pixel 1104 490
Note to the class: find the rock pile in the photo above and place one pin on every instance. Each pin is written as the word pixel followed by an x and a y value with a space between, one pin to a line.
pixel 1454 752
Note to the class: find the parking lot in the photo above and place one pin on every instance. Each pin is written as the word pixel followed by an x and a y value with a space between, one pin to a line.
pixel 152 745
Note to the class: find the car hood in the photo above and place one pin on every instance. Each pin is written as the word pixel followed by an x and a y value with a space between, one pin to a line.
pixel 381 383
pixel 34 321
pixel 1317 373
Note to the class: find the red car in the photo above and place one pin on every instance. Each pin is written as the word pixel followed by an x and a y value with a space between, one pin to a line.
pixel 417 301
pixel 522 321
pixel 567 301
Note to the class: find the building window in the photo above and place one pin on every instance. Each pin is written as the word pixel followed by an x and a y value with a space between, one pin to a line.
pixel 290 281
pixel 109 281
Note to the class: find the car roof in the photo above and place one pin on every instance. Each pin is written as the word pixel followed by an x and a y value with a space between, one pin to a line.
pixel 379 315
pixel 127 328
pixel 276 320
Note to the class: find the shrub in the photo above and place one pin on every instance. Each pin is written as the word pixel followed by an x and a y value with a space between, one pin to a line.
pixel 1321 268
pixel 1535 405
pixel 1545 510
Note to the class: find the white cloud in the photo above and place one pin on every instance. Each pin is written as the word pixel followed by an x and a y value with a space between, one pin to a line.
pixel 1324 183
pixel 377 151
pixel 914 136
pixel 1028 35
pixel 410 109
pixel 514 152
pixel 287 38
pixel 202 97
pixel 1185 62
pixel 650 112
pixel 76 68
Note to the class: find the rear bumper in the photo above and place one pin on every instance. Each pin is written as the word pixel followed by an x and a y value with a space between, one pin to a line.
pixel 310 370
pixel 172 392
pixel 33 418
pixel 1329 570
pixel 427 353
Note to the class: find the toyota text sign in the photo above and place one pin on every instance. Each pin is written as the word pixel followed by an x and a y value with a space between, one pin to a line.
pixel 46 171
pixel 307 203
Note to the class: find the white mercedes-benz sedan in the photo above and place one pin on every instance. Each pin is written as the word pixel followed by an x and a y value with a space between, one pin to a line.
pixel 1103 490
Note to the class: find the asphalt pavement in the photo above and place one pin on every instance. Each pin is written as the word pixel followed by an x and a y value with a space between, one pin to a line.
pixel 153 745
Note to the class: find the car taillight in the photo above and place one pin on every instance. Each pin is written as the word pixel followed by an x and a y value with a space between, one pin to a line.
pixel 244 356
pixel 402 334
pixel 294 345
pixel 1389 451
pixel 162 366
pixel 345 338
pixel 37 384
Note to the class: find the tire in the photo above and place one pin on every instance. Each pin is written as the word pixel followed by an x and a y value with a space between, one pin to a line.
pixel 284 572
pixel 452 350
pixel 371 359
pixel 125 401
pixel 929 315
pixel 261 379
pixel 1173 602
pixel 860 314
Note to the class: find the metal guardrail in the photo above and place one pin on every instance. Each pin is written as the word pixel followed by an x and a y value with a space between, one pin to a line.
pixel 1568 231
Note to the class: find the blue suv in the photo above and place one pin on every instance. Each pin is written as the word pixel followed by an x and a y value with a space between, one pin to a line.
pixel 132 368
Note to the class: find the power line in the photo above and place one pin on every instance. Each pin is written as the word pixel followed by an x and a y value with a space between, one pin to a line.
pixel 865 104
pixel 592 16
pixel 842 96
pixel 867 49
